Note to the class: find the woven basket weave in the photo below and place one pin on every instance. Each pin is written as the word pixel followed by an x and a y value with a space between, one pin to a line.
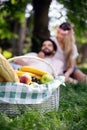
pixel 16 109
pixel 52 103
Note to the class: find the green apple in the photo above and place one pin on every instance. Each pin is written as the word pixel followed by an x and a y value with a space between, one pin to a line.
pixel 46 78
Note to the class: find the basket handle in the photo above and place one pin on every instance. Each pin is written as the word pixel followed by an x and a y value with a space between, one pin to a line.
pixel 36 58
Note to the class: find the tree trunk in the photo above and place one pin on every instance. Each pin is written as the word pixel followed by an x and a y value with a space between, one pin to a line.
pixel 17 44
pixel 40 31
pixel 83 51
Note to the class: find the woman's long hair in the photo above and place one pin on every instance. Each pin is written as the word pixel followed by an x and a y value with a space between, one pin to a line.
pixel 69 42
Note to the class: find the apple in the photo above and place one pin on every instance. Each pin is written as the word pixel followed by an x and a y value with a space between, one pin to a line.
pixel 25 78
pixel 46 78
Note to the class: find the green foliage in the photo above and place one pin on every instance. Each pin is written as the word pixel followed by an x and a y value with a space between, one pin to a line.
pixel 14 10
pixel 4 122
pixel 7 54
pixel 13 1
pixel 11 11
pixel 76 13
pixel 4 26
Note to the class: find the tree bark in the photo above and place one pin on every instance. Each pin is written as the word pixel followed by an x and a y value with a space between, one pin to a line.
pixel 40 31
pixel 17 44
pixel 83 51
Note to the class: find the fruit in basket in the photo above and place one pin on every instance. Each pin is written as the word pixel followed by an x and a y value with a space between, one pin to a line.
pixel 33 70
pixel 35 79
pixel 25 78
pixel 20 73
pixel 46 78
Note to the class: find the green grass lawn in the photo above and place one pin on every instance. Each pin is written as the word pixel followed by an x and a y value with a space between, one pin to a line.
pixel 83 67
pixel 71 115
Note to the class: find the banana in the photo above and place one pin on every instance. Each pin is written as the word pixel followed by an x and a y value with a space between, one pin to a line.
pixel 37 76
pixel 33 70
pixel 19 73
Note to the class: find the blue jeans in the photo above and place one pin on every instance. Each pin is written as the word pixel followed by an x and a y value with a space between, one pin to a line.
pixel 75 68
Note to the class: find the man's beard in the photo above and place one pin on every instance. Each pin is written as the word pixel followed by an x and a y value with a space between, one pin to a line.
pixel 48 53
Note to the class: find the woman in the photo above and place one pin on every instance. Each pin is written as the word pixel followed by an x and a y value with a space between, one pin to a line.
pixel 67 53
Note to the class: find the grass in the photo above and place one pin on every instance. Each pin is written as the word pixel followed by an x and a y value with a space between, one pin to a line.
pixel 73 102
pixel 71 115
pixel 83 67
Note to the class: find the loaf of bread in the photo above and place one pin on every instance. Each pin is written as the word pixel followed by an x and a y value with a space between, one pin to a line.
pixel 7 73
pixel 2 79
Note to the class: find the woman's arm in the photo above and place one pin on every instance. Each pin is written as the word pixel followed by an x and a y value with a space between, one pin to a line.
pixel 70 69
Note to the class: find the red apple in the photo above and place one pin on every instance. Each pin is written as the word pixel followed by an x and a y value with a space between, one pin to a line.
pixel 25 78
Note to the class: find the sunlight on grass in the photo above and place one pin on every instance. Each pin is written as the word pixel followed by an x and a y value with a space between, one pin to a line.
pixel 83 68
pixel 83 65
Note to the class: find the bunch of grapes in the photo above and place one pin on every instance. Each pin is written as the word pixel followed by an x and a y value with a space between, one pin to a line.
pixel 35 79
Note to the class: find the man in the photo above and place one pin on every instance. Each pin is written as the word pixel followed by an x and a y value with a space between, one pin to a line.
pixel 47 53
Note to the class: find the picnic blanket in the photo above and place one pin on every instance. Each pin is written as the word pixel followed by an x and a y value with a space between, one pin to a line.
pixel 19 93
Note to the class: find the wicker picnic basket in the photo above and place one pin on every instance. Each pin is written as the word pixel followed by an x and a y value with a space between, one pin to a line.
pixel 15 97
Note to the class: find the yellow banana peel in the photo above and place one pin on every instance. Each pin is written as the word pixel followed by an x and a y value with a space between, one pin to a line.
pixel 33 70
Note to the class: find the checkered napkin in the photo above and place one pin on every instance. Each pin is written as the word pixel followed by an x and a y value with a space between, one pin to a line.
pixel 19 93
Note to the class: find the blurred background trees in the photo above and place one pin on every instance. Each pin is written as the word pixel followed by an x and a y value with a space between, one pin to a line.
pixel 21 33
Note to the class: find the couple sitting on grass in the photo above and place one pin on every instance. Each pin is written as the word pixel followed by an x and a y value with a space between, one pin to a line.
pixel 61 52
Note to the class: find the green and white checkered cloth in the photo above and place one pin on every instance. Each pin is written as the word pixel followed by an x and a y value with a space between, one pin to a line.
pixel 19 93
